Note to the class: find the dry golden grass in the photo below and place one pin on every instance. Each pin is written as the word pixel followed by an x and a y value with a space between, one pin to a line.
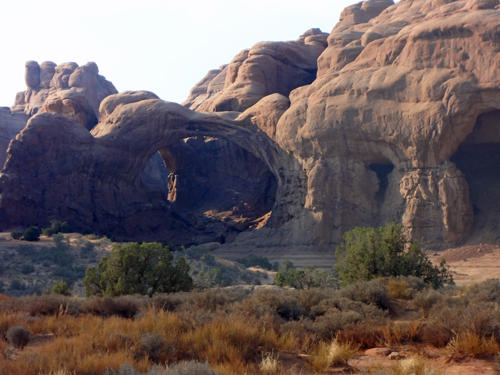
pixel 398 289
pixel 334 353
pixel 470 343
pixel 270 365
pixel 411 366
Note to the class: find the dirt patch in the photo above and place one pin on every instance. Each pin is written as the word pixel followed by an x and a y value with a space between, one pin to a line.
pixel 472 263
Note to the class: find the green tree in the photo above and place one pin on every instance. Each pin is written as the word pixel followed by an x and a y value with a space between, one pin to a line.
pixel 368 253
pixel 61 287
pixel 142 269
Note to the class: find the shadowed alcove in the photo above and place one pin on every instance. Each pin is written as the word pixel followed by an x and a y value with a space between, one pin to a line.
pixel 478 157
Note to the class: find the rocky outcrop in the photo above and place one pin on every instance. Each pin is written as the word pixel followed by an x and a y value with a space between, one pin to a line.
pixel 397 121
pixel 264 69
pixel 48 78
pixel 66 89
pixel 10 125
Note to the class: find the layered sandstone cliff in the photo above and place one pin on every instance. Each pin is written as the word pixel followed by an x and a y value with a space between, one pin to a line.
pixel 390 117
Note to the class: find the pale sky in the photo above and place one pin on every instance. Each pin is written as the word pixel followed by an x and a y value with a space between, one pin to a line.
pixel 163 46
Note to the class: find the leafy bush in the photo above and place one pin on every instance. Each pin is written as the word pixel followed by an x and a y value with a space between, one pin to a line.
pixel 142 269
pixel 18 336
pixel 368 253
pixel 31 234
pixel 61 287
pixel 27 269
pixel 56 227
pixel 16 234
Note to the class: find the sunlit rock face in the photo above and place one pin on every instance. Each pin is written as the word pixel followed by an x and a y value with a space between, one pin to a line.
pixel 390 117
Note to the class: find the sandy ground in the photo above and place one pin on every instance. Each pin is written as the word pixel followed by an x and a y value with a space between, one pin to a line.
pixel 473 263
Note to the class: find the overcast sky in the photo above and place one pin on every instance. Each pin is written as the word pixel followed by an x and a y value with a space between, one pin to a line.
pixel 164 46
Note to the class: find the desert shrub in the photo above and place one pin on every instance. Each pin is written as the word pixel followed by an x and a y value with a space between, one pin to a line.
pixel 255 260
pixel 368 253
pixel 61 287
pixel 141 269
pixel 487 291
pixel 16 234
pixel 26 250
pixel 56 227
pixel 87 250
pixel 196 252
pixel 368 292
pixel 471 343
pixel 16 285
pixel 190 368
pixel 151 345
pixel 51 304
pixel 31 234
pixel 209 260
pixel 128 370
pixel 453 317
pixel 425 300
pixel 307 277
pixel 404 287
pixel 58 239
pixel 2 286
pixel 125 306
pixel 27 269
pixel 18 336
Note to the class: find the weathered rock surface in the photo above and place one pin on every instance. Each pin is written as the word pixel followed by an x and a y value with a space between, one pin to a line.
pixel 67 89
pixel 48 79
pixel 397 121
pixel 10 125
pixel 264 69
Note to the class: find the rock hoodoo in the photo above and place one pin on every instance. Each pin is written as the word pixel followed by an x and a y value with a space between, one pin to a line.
pixel 390 117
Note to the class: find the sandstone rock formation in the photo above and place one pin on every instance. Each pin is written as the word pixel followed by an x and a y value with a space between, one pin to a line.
pixel 10 125
pixel 48 78
pixel 395 120
pixel 67 89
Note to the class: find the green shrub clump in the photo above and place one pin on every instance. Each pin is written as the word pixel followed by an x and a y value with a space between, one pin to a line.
pixel 16 234
pixel 31 234
pixel 61 287
pixel 142 269
pixel 56 227
pixel 369 253
pixel 305 278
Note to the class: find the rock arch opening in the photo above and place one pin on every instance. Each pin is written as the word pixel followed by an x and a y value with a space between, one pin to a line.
pixel 155 175
pixel 219 187
pixel 478 157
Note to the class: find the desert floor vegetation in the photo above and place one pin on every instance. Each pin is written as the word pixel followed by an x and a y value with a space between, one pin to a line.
pixel 252 330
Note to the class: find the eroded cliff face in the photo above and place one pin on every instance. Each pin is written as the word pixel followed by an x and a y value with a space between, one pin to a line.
pixel 381 120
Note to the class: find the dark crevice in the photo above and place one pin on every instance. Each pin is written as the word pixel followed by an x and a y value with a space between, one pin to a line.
pixel 382 170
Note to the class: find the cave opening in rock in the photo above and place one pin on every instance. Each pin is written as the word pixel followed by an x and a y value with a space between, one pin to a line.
pixel 382 169
pixel 155 175
pixel 478 157
pixel 219 187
